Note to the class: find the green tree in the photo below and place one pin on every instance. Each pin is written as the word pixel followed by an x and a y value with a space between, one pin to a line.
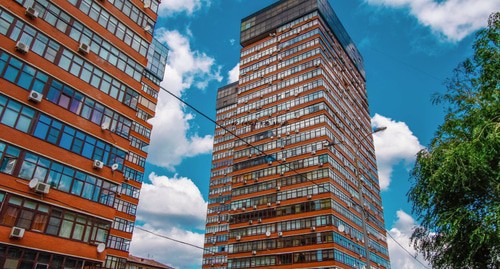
pixel 455 188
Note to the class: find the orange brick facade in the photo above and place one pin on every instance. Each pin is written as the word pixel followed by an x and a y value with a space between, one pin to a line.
pixel 76 91
pixel 294 179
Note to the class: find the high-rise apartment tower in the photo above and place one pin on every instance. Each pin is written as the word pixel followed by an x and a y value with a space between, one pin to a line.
pixel 294 179
pixel 78 80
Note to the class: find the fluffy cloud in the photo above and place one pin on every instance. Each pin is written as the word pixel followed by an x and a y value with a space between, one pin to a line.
pixel 453 19
pixel 401 232
pixel 186 69
pixel 169 252
pixel 170 7
pixel 392 146
pixel 234 74
pixel 172 207
pixel 172 202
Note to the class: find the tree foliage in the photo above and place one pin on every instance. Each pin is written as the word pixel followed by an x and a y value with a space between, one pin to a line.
pixel 456 181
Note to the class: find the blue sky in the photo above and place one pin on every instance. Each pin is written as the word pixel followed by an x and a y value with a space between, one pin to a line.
pixel 409 46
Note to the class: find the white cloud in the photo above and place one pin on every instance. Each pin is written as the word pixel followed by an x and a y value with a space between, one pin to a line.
pixel 392 146
pixel 166 251
pixel 401 232
pixel 172 207
pixel 453 19
pixel 170 7
pixel 172 202
pixel 234 74
pixel 186 69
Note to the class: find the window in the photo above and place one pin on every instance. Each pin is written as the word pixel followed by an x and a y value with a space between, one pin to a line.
pixel 15 115
pixel 30 165
pixel 8 158
pixel 35 216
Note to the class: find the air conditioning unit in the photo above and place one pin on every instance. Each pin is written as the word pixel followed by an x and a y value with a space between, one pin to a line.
pixel 238 237
pixel 280 234
pixel 21 47
pixel 313 228
pixel 84 48
pixel 259 220
pixel 255 207
pixel 268 204
pixel 42 266
pixel 254 252
pixel 16 232
pixel 278 202
pixel 42 188
pixel 98 164
pixel 115 167
pixel 309 197
pixel 35 97
pixel 250 222
pixel 105 126
pixel 31 13
pixel 147 5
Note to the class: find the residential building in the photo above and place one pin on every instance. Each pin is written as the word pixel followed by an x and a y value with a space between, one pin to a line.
pixel 78 81
pixel 143 263
pixel 294 180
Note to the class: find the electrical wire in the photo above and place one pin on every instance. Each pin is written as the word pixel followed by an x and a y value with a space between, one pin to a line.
pixel 411 255
pixel 262 152
pixel 312 181
pixel 172 239
pixel 243 140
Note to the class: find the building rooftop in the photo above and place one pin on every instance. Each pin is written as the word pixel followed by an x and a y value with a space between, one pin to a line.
pixel 259 24
pixel 147 262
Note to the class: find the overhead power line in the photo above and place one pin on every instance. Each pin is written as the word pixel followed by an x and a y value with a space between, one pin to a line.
pixel 259 150
pixel 172 239
pixel 411 255
pixel 248 144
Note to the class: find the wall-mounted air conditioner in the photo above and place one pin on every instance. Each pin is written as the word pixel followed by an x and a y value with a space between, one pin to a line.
pixel 35 97
pixel 31 13
pixel 16 232
pixel 22 47
pixel 84 48
pixel 98 164
pixel 42 188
